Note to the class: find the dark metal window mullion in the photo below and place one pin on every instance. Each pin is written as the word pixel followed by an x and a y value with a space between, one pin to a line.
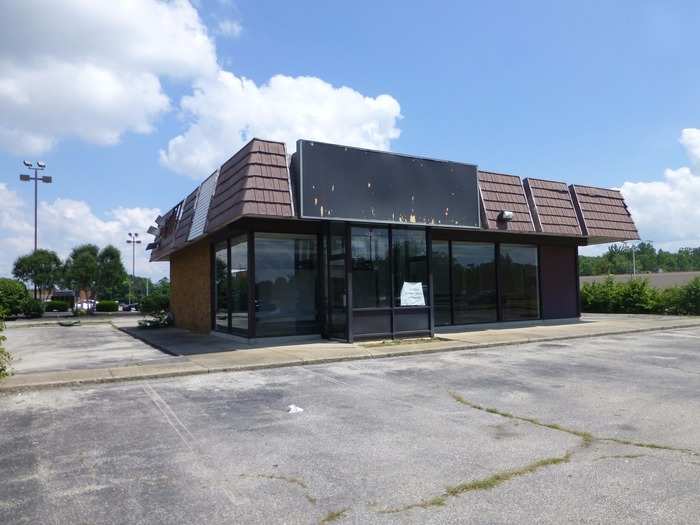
pixel 229 292
pixel 348 282
pixel 540 307
pixel 251 283
pixel 392 277
pixel 451 282
pixel 428 262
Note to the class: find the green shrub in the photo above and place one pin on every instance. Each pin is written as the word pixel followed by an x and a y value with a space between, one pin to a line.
pixel 5 357
pixel 32 308
pixel 56 306
pixel 600 297
pixel 689 298
pixel 668 301
pixel 155 303
pixel 12 296
pixel 107 306
pixel 637 296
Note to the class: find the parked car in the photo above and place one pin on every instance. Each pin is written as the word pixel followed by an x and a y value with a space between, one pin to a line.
pixel 133 307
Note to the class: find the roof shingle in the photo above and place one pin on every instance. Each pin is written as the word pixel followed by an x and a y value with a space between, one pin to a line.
pixel 552 208
pixel 501 192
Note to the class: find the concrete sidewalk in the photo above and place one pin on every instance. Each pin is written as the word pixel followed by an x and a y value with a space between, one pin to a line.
pixel 202 354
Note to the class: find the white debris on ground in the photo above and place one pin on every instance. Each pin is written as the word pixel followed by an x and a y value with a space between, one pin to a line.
pixel 293 409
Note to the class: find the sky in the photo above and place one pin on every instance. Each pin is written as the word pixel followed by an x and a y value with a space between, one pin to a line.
pixel 132 103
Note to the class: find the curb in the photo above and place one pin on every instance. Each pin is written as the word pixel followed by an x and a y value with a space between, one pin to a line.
pixel 322 360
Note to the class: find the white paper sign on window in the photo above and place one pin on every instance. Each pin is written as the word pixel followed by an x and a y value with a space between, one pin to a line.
pixel 412 294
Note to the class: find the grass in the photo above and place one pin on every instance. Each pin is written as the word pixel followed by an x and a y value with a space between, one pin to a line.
pixel 334 515
pixel 502 477
pixel 396 342
pixel 487 483
pixel 621 456
pixel 586 437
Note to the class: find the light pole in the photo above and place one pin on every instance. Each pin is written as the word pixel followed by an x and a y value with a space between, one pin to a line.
pixel 631 246
pixel 40 166
pixel 133 240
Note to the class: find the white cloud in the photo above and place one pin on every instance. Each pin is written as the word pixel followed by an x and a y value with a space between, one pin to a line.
pixel 65 223
pixel 666 211
pixel 92 69
pixel 690 138
pixel 229 28
pixel 227 111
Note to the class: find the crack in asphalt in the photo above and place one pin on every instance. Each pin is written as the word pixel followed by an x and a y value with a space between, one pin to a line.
pixel 487 483
pixel 587 437
pixel 288 479
pixel 498 478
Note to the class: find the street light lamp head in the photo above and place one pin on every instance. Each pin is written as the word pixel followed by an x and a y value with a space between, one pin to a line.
pixel 46 179
pixel 27 163
pixel 25 178
pixel 41 164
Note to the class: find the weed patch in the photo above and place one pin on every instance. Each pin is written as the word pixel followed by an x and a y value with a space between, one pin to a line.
pixel 487 483
pixel 334 516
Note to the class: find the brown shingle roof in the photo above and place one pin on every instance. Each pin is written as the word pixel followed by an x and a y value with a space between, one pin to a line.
pixel 603 214
pixel 552 208
pixel 500 192
pixel 255 181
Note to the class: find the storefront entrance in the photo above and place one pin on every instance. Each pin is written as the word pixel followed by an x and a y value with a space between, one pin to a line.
pixel 360 281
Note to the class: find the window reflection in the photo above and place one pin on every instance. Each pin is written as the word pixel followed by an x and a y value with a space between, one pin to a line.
pixel 239 283
pixel 474 282
pixel 518 277
pixel 371 273
pixel 221 286
pixel 410 268
pixel 441 282
pixel 285 284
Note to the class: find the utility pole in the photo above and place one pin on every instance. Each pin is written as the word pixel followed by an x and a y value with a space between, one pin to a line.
pixel 40 166
pixel 133 240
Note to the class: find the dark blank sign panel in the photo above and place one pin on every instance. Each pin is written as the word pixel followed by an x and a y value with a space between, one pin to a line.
pixel 343 183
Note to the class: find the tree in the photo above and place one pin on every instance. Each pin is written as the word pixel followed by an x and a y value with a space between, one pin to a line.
pixel 162 287
pixel 110 272
pixel 13 294
pixel 41 267
pixel 81 269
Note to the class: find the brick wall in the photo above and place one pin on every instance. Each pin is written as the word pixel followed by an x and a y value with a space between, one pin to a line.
pixel 190 288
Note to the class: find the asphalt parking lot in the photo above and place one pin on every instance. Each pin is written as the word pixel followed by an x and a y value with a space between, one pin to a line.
pixel 53 347
pixel 596 430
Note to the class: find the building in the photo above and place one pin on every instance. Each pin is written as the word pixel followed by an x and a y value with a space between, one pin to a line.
pixel 349 243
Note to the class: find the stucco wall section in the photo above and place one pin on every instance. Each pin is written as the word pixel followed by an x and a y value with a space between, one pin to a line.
pixel 190 287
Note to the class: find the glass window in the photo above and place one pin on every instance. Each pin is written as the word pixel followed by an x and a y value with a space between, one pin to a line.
pixel 474 282
pixel 239 283
pixel 371 274
pixel 518 279
pixel 285 284
pixel 337 283
pixel 410 267
pixel 221 286
pixel 441 281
